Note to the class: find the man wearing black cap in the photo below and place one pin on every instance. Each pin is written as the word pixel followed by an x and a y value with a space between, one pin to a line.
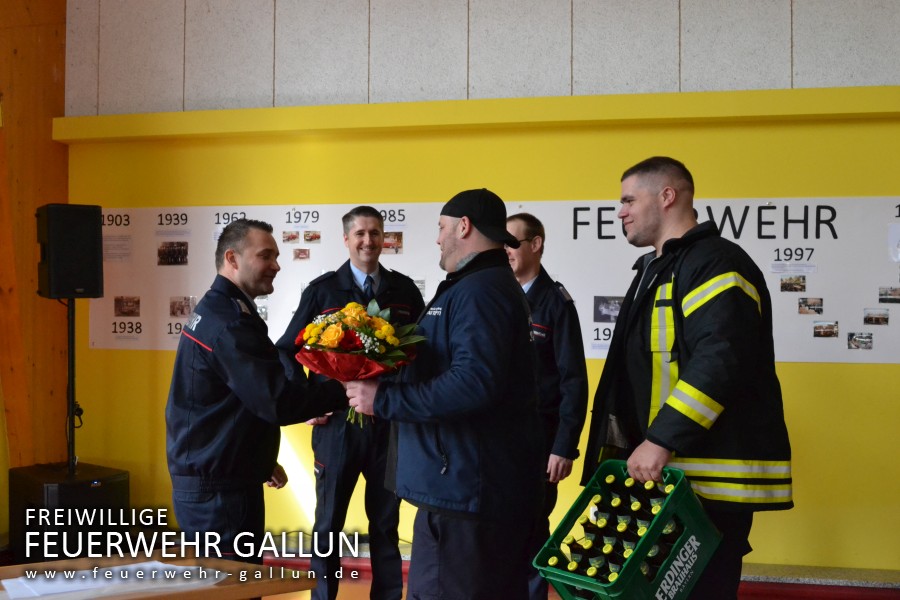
pixel 468 454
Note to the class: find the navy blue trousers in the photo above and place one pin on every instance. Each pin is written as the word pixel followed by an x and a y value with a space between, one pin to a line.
pixel 342 452
pixel 463 559
pixel 227 513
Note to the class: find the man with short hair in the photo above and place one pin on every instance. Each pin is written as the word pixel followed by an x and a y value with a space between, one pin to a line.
pixel 344 450
pixel 690 378
pixel 562 371
pixel 230 394
pixel 465 411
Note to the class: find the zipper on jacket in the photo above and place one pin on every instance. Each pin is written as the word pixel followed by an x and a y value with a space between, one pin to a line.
pixel 445 462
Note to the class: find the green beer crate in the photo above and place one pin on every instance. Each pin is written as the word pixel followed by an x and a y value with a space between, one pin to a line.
pixel 674 577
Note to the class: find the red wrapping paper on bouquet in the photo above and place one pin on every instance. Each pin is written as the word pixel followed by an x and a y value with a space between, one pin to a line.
pixel 342 366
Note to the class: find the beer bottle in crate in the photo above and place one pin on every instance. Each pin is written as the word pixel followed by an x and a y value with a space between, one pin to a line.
pixel 642 492
pixel 671 531
pixel 595 507
pixel 592 555
pixel 644 513
pixel 590 529
pixel 566 546
pixel 630 534
pixel 601 502
pixel 576 553
pixel 656 556
pixel 616 508
pixel 583 594
pixel 615 561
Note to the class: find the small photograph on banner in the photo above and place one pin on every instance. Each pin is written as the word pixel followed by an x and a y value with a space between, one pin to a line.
pixel 810 306
pixel 859 341
pixel 393 242
pixel 181 306
pixel 825 329
pixel 301 253
pixel 172 253
pixel 290 237
pixel 876 316
pixel 793 283
pixel 312 237
pixel 889 295
pixel 606 308
pixel 127 306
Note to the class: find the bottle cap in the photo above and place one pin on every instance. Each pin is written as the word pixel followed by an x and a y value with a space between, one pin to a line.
pixel 627 553
pixel 552 561
pixel 596 499
pixel 607 549
pixel 615 502
pixel 654 510
pixel 610 479
pixel 669 488
pixel 629 482
pixel 622 526
pixel 569 540
pixel 572 566
pixel 591 572
pixel 613 576
pixel 649 485
pixel 641 531
pixel 586 544
pixel 601 522
pixel 636 506
pixel 582 519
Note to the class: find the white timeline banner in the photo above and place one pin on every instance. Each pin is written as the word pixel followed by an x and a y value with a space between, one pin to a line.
pixel 832 266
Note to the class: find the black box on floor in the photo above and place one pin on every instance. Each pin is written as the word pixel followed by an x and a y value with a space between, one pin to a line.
pixel 80 495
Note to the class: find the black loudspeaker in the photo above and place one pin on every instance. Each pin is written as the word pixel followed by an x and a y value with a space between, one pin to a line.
pixel 71 242
pixel 50 492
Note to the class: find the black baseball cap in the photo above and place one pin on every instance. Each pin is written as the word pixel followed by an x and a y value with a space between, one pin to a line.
pixel 485 210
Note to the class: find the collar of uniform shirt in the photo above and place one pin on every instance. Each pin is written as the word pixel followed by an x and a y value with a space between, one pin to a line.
pixel 527 286
pixel 360 278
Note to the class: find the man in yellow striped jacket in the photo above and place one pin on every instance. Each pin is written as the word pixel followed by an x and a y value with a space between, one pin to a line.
pixel 690 378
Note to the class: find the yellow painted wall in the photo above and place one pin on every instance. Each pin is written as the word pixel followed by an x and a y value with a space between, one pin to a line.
pixel 823 143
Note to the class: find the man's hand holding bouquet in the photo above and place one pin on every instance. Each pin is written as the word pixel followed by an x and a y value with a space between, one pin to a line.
pixel 356 342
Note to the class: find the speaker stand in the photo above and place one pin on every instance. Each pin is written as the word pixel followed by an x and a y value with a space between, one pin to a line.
pixel 73 411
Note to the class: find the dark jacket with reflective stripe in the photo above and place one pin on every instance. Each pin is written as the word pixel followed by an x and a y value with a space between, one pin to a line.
pixel 230 393
pixel 562 372
pixel 466 406
pixel 693 341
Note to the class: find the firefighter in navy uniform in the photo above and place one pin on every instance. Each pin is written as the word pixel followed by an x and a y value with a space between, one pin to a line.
pixel 690 376
pixel 345 450
pixel 562 372
pixel 230 394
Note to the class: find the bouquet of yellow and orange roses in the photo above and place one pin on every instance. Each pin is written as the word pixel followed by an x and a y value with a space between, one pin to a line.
pixel 356 342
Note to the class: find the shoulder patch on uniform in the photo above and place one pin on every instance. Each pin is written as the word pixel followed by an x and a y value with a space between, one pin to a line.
pixel 193 321
pixel 243 306
pixel 565 293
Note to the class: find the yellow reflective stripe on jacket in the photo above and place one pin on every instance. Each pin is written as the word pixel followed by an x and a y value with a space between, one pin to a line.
pixel 662 340
pixel 715 286
pixel 743 493
pixel 732 468
pixel 694 404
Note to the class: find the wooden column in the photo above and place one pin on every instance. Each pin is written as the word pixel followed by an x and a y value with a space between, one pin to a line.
pixel 33 172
